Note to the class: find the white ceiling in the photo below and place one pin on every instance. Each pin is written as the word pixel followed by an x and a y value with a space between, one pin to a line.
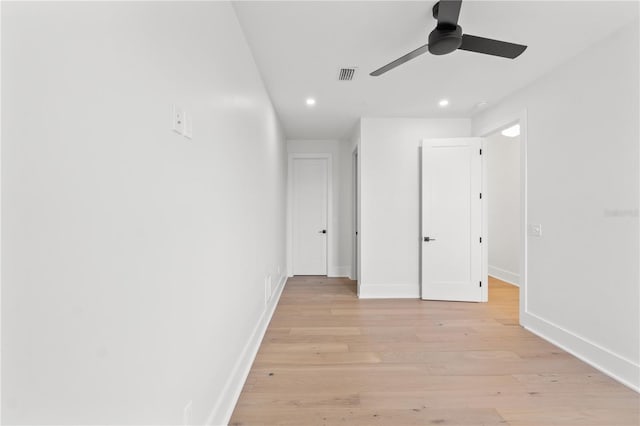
pixel 299 47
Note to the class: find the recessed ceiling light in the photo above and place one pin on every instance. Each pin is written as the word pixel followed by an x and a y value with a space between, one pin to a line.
pixel 482 104
pixel 311 102
pixel 443 102
pixel 512 132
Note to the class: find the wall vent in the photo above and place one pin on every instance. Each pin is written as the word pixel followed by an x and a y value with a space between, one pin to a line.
pixel 347 74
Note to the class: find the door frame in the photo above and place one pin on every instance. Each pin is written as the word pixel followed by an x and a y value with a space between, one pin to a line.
pixel 497 125
pixel 355 218
pixel 293 157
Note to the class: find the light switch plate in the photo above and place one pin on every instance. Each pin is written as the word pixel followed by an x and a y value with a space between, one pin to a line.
pixel 535 230
pixel 177 120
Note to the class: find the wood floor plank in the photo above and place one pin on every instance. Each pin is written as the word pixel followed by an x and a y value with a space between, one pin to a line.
pixel 304 347
pixel 315 358
pixel 329 358
pixel 325 331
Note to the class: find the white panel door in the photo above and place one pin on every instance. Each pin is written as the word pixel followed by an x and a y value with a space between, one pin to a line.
pixel 310 199
pixel 451 219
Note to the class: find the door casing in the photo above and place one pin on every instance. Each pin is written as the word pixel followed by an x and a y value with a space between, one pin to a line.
pixel 355 273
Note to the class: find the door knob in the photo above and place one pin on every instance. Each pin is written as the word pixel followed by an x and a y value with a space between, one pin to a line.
pixel 427 239
pixel 324 231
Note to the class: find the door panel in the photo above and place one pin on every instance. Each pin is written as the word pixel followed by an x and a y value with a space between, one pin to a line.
pixel 310 198
pixel 451 219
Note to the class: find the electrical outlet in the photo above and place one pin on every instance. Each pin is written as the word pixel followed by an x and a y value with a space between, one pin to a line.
pixel 187 413
pixel 177 120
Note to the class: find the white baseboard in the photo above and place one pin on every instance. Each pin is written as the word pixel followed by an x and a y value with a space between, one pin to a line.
pixel 621 369
pixel 504 275
pixel 223 408
pixel 339 271
pixel 389 291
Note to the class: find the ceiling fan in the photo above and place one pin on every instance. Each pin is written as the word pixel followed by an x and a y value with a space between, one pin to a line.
pixel 447 37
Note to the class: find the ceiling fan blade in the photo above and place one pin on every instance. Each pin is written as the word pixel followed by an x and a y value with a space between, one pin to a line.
pixel 491 47
pixel 448 12
pixel 401 60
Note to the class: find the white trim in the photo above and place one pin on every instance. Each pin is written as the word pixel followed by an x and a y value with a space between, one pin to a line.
pixel 619 368
pixel 358 199
pixel 484 208
pixel 226 403
pixel 355 193
pixel 339 271
pixel 0 229
pixel 292 157
pixel 504 275
pixel 389 291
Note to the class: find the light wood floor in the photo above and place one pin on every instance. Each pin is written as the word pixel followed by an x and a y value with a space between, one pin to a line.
pixel 328 358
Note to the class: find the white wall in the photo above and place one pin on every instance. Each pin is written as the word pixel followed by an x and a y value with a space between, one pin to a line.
pixel 339 260
pixel 583 183
pixel 390 201
pixel 501 156
pixel 127 249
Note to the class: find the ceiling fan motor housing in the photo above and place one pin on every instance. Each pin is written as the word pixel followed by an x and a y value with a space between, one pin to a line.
pixel 443 40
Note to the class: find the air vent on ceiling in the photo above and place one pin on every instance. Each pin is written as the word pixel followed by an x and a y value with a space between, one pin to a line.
pixel 347 74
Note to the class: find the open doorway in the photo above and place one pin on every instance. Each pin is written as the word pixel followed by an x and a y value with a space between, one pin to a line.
pixel 505 189
pixel 502 160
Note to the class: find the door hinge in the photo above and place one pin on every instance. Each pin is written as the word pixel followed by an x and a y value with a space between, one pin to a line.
pixel 481 195
pixel 480 239
pixel 480 151
pixel 480 283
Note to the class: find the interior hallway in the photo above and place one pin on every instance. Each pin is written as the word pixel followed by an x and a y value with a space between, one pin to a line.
pixel 329 358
